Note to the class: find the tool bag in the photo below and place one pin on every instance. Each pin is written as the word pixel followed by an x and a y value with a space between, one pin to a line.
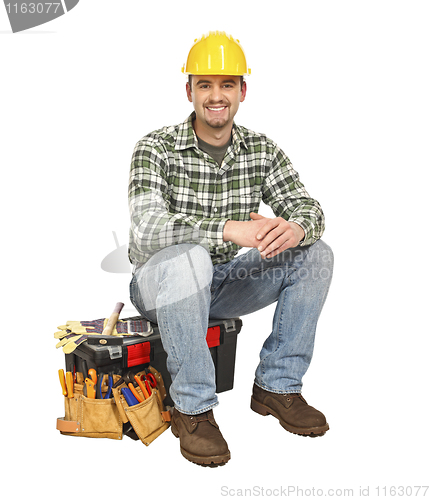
pixel 134 345
pixel 149 419
pixel 104 418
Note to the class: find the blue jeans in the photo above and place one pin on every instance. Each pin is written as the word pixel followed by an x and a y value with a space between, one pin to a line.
pixel 179 289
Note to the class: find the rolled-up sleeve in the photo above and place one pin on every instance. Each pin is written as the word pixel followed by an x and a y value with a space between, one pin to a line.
pixel 286 195
pixel 154 225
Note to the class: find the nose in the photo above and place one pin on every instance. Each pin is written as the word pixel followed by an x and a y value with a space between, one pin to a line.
pixel 216 94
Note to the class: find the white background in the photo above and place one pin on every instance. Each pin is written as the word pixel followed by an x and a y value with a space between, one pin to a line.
pixel 343 88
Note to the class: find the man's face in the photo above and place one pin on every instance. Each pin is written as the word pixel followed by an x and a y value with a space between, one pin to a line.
pixel 216 99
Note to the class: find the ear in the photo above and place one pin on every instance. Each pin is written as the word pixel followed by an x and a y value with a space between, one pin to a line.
pixel 243 92
pixel 188 89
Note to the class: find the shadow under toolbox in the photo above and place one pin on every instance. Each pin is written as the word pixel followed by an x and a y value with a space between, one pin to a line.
pixel 120 354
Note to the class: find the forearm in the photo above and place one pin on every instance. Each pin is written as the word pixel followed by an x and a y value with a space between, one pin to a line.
pixel 310 217
pixel 154 224
pixel 286 195
pixel 243 233
pixel 156 229
pixel 231 228
pixel 300 208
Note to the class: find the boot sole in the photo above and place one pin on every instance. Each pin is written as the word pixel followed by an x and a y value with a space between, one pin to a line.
pixel 264 410
pixel 208 461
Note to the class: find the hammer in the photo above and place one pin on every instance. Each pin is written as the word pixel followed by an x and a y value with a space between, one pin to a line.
pixel 113 319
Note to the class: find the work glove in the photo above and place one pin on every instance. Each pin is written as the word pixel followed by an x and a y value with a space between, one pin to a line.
pixel 73 333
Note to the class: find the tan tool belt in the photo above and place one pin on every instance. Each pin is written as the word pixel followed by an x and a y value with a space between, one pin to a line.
pixel 104 418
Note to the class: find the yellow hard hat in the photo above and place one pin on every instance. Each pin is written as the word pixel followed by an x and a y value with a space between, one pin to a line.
pixel 216 54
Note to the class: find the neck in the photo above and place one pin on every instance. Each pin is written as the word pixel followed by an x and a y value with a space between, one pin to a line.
pixel 213 136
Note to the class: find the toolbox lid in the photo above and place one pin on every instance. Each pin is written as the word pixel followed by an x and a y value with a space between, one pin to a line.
pixel 137 350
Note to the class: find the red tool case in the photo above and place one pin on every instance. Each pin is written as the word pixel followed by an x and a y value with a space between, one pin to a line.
pixel 121 354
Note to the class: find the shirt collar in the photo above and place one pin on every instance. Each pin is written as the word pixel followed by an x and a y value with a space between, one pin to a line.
pixel 187 138
pixel 238 137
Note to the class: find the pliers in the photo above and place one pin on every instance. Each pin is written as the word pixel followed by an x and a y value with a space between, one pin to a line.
pixel 99 386
pixel 90 384
pixel 150 381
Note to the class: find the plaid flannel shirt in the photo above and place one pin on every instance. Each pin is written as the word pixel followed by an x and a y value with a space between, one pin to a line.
pixel 179 194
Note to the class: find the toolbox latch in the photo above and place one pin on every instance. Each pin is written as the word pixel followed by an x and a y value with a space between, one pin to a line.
pixel 115 351
pixel 139 354
pixel 213 336
pixel 229 325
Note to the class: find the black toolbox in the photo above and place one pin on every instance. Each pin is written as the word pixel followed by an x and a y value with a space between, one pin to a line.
pixel 121 354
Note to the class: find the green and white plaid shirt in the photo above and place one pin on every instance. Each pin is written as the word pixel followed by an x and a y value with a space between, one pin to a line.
pixel 179 194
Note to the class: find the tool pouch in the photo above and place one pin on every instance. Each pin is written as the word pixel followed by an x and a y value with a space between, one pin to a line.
pixel 97 418
pixel 149 418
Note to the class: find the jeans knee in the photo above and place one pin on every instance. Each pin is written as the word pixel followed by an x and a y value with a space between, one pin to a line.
pixel 187 263
pixel 198 254
pixel 322 257
pixel 174 274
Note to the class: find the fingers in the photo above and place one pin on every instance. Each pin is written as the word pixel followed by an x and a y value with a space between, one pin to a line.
pixel 255 216
pixel 276 247
pixel 275 237
pixel 270 231
pixel 268 254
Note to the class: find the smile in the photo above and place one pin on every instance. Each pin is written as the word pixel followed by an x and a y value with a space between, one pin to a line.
pixel 217 110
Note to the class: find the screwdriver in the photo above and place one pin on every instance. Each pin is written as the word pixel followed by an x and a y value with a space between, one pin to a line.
pixel 62 381
pixel 69 384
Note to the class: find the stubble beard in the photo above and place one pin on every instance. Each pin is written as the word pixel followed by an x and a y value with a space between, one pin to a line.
pixel 218 122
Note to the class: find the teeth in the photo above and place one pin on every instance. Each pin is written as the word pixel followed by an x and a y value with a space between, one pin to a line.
pixel 216 109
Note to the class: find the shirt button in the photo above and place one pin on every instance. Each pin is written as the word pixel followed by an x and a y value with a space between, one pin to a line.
pixel 215 210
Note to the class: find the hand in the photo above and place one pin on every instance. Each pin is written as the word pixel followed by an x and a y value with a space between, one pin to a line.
pixel 243 233
pixel 276 235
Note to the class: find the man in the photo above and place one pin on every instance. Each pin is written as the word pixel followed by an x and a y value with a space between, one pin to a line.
pixel 194 194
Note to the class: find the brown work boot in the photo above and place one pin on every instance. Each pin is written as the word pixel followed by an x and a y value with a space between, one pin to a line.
pixel 201 440
pixel 292 411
